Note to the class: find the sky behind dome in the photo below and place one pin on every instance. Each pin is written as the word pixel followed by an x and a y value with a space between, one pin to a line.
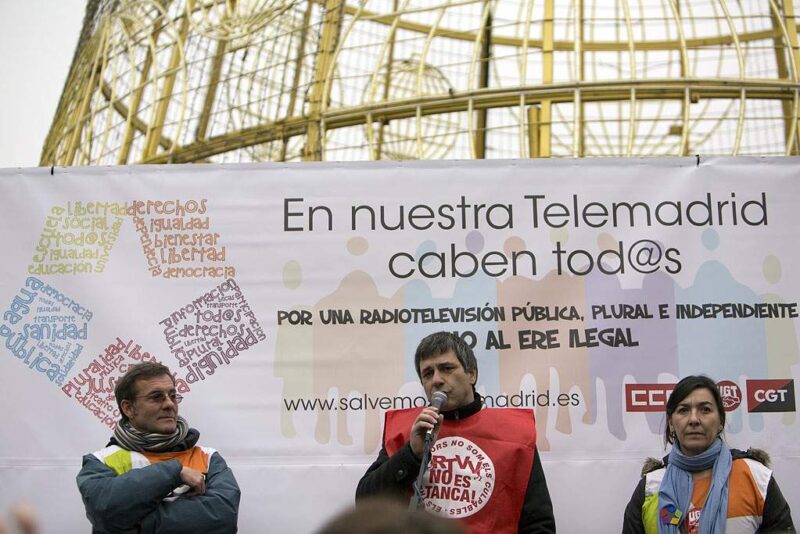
pixel 37 39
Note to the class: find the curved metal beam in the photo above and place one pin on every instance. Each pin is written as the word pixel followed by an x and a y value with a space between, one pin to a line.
pixel 666 89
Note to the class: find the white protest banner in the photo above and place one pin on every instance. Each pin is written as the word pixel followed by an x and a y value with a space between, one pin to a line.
pixel 288 300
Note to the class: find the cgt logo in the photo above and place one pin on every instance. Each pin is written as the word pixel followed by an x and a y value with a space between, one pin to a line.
pixel 770 395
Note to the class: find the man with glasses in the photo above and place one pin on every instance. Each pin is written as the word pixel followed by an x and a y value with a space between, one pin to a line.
pixel 152 476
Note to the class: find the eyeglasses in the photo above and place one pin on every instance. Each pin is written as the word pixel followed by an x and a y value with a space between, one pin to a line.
pixel 158 397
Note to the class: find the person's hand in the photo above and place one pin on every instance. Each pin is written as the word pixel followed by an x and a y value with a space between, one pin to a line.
pixel 25 518
pixel 195 480
pixel 427 419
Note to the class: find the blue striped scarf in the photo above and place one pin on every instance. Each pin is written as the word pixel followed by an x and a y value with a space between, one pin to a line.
pixel 676 489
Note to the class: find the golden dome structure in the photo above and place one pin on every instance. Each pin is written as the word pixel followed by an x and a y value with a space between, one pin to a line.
pixel 169 81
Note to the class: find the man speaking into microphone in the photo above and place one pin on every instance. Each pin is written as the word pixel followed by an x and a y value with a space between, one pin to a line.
pixel 484 468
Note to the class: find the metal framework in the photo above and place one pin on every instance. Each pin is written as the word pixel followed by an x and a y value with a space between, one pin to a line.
pixel 167 81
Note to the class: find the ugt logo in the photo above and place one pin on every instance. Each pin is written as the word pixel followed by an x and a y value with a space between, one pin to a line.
pixel 731 395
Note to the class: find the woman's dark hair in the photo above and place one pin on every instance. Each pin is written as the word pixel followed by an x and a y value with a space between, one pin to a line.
pixel 682 390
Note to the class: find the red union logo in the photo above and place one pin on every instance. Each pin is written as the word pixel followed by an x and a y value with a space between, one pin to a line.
pixel 460 480
pixel 647 397
pixel 775 395
pixel 731 394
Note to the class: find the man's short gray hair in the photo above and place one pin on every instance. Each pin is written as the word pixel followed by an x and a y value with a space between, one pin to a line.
pixel 442 342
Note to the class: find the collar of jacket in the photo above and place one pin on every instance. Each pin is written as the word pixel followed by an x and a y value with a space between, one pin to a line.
pixel 468 409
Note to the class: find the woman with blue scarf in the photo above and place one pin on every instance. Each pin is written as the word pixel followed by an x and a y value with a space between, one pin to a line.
pixel 702 486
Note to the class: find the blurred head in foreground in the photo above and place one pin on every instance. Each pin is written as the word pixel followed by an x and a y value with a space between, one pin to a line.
pixel 385 516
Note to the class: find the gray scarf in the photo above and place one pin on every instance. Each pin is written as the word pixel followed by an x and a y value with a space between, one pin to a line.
pixel 135 440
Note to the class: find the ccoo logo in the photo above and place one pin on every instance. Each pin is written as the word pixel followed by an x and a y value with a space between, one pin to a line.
pixel 775 395
pixel 653 397
pixel 647 397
